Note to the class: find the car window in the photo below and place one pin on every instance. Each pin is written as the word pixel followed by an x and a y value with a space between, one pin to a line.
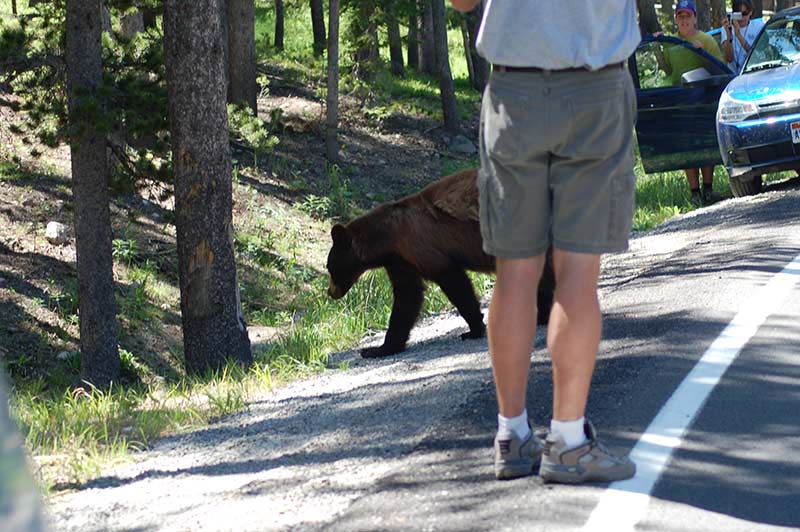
pixel 778 45
pixel 661 64
pixel 650 75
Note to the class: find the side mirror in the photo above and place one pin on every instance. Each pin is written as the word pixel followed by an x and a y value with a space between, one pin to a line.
pixel 700 77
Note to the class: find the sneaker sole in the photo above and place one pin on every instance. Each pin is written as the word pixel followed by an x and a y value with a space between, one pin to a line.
pixel 564 475
pixel 510 469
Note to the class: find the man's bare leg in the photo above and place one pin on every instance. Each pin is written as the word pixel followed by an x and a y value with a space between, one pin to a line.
pixel 693 176
pixel 512 327
pixel 573 333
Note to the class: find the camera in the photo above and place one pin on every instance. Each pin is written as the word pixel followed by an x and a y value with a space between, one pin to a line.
pixel 735 16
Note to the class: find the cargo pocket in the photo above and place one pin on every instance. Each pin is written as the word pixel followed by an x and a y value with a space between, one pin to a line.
pixel 505 108
pixel 620 222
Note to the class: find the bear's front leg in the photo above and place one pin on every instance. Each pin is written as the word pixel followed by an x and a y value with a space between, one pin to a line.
pixel 408 290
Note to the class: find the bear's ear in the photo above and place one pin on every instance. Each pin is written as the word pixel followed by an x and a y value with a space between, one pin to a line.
pixel 340 236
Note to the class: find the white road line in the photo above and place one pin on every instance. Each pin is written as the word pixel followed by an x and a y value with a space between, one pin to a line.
pixel 625 503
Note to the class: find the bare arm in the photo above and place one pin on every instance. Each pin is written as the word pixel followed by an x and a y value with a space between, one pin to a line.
pixel 464 5
pixel 727 45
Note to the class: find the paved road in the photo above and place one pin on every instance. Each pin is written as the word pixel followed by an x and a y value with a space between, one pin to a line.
pixel 405 444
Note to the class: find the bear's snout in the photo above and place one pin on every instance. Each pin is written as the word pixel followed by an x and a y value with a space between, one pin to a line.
pixel 334 291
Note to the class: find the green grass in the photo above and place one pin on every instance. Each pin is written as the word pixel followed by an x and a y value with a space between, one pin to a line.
pixel 74 433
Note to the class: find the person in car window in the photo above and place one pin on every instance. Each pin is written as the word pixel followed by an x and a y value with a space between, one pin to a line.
pixel 675 61
pixel 739 35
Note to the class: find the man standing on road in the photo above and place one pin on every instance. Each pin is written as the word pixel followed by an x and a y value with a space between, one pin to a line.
pixel 556 168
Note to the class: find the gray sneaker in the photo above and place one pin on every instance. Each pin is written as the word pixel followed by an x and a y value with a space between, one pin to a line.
pixel 590 462
pixel 515 458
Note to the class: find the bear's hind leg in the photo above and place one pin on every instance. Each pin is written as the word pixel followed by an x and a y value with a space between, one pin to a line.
pixel 408 290
pixel 457 287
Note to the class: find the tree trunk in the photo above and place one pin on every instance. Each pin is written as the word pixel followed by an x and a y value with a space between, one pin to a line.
pixel 14 7
pixel 648 19
pixel 427 51
pixel 480 66
pixel 279 18
pixel 242 53
pixel 100 362
pixel 149 19
pixel 131 24
pixel 703 15
pixel 194 55
pixel 332 96
pixel 365 31
pixel 718 13
pixel 106 25
pixel 449 107
pixel 462 23
pixel 412 42
pixel 395 43
pixel 318 24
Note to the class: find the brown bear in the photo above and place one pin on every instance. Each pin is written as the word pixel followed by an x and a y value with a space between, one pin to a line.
pixel 431 235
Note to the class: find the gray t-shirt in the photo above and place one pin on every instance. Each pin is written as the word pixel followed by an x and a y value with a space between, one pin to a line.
pixel 556 34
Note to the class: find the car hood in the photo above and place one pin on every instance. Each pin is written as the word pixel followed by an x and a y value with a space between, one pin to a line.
pixel 774 84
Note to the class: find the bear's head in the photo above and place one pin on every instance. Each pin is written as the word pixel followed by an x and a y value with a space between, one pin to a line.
pixel 343 264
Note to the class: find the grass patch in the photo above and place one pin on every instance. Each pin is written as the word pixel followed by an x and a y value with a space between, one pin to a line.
pixel 75 433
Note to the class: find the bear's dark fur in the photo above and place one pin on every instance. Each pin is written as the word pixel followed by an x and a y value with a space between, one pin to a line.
pixel 432 235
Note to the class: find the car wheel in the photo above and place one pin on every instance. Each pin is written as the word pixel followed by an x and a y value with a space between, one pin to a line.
pixel 745 185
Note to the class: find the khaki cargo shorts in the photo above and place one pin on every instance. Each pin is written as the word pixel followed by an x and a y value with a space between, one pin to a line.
pixel 557 162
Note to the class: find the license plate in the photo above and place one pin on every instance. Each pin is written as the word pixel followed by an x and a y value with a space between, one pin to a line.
pixel 795 132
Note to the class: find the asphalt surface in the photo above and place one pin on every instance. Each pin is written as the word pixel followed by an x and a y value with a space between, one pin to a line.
pixel 405 443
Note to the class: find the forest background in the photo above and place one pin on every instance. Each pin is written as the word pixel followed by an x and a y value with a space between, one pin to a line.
pixel 199 152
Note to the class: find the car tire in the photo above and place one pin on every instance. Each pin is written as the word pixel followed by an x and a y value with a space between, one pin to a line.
pixel 745 185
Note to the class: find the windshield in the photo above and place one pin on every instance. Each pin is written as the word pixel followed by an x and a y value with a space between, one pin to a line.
pixel 778 45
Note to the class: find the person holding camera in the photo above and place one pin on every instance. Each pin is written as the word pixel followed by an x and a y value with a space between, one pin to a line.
pixel 740 31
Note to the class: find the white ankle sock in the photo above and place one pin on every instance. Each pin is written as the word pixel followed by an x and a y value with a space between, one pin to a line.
pixel 518 425
pixel 571 431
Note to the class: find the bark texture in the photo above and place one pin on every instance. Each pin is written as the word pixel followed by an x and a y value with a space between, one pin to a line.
pixel 100 363
pixel 648 19
pixel 318 25
pixel 480 67
pixel 332 97
pixel 195 43
pixel 242 53
pixel 412 44
pixel 446 88
pixel 279 20
pixel 395 42
pixel 703 15
pixel 718 12
pixel 427 49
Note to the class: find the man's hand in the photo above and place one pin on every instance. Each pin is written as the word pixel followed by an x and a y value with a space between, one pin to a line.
pixel 697 44
pixel 464 5
pixel 726 24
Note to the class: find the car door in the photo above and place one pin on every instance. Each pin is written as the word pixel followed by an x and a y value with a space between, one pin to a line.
pixel 676 118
